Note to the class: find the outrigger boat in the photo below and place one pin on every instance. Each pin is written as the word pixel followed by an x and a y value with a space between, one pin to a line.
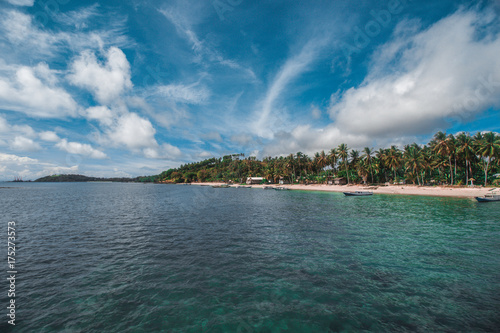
pixel 492 195
pixel 358 193
pixel 220 186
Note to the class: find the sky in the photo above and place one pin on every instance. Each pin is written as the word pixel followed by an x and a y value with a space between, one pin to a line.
pixel 135 87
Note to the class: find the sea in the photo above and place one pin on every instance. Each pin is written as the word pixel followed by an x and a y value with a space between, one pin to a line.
pixel 123 257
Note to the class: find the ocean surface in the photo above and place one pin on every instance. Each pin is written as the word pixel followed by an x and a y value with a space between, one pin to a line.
pixel 99 257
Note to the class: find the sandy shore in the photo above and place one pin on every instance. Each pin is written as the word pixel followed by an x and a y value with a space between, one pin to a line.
pixel 437 191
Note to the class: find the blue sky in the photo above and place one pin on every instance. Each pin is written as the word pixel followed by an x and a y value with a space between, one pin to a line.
pixel 128 88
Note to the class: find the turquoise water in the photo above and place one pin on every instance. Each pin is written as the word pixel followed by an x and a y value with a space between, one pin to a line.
pixel 170 258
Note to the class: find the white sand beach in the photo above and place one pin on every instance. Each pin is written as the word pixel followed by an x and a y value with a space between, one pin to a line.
pixel 438 191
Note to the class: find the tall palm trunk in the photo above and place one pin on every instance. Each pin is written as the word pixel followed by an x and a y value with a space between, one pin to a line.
pixel 347 172
pixel 486 171
pixel 466 172
pixel 451 170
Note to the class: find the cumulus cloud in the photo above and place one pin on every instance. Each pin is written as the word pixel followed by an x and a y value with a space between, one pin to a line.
pixel 451 69
pixel 21 143
pixel 34 91
pixel 165 151
pixel 133 132
pixel 100 113
pixel 106 81
pixel 309 140
pixel 80 149
pixel 49 136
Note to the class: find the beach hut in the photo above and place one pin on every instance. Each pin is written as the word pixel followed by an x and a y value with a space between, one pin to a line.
pixel 340 181
pixel 254 180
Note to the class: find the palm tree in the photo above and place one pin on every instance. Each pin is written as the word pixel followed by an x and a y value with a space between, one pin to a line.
pixel 367 157
pixel 466 150
pixel 291 166
pixel 413 160
pixel 332 158
pixel 381 156
pixel 488 148
pixel 343 152
pixel 393 157
pixel 442 146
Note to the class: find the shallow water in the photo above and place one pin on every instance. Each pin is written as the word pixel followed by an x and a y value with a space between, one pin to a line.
pixel 171 258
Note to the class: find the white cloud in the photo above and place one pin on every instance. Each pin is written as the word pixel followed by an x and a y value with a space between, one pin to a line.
pixel 452 69
pixel 28 3
pixel 293 67
pixel 100 113
pixel 34 92
pixel 212 136
pixel 165 151
pixel 242 138
pixel 29 168
pixel 21 143
pixel 310 140
pixel 80 149
pixel 106 81
pixel 134 132
pixel 201 49
pixel 184 94
pixel 49 136
pixel 10 158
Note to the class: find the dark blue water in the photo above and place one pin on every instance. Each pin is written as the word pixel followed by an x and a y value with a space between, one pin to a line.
pixel 170 258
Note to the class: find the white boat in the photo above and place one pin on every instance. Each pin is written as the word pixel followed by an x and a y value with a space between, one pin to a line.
pixel 358 193
pixel 243 186
pixel 492 195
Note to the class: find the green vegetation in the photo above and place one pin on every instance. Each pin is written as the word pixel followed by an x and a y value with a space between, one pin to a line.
pixel 81 178
pixel 445 160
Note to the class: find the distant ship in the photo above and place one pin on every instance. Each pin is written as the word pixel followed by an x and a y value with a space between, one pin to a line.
pixel 18 179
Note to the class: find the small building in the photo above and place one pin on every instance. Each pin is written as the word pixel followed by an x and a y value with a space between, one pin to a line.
pixel 284 181
pixel 340 181
pixel 254 180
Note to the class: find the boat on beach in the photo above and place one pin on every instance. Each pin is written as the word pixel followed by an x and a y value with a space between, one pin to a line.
pixel 358 193
pixel 220 186
pixel 243 186
pixel 492 195
pixel 281 188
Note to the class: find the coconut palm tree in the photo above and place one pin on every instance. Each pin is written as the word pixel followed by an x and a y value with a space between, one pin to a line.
pixel 488 148
pixel 332 158
pixel 442 146
pixel 466 151
pixel 367 157
pixel 393 158
pixel 413 159
pixel 343 153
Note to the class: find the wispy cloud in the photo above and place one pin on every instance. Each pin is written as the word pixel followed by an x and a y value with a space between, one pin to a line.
pixel 291 70
pixel 201 49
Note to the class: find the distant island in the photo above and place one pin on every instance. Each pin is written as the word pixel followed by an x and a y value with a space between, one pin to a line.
pixel 81 178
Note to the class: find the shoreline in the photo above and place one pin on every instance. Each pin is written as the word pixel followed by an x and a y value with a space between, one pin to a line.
pixel 437 191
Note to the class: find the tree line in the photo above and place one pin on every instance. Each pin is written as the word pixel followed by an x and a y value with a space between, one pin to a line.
pixel 446 159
